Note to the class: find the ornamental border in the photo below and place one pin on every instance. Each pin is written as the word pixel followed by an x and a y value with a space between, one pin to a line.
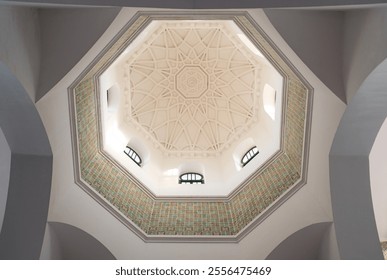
pixel 241 19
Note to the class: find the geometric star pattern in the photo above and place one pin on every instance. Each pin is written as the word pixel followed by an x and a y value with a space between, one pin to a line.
pixel 193 87
pixel 191 81
pixel 195 218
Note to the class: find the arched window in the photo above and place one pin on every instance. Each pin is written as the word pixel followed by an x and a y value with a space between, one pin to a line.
pixel 269 96
pixel 249 155
pixel 191 178
pixel 133 155
pixel 113 98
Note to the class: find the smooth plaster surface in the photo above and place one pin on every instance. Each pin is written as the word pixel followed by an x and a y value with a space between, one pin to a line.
pixel 66 35
pixel 20 45
pixel 316 37
pixel 304 244
pixel 378 171
pixel 341 47
pixel 364 45
pixel 51 247
pixel 352 204
pixel 67 242
pixel 30 171
pixel 328 247
pixel 5 168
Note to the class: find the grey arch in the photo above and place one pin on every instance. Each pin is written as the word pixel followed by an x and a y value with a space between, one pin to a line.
pixel 349 169
pixel 305 244
pixel 67 242
pixel 28 191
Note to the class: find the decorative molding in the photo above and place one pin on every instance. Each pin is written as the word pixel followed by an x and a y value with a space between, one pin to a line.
pixel 191 220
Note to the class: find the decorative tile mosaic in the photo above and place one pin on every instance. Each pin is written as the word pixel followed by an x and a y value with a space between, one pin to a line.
pixel 189 218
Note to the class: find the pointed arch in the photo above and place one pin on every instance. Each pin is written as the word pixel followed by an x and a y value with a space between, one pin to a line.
pixel 352 204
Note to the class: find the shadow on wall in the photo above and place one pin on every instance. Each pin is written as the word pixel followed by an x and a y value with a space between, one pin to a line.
pixel 314 242
pixel 65 242
pixel 30 168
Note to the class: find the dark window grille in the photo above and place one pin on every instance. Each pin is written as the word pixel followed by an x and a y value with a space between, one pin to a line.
pixel 108 97
pixel 249 155
pixel 132 154
pixel 191 178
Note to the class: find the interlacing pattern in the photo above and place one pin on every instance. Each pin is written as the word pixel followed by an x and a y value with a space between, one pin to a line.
pixel 193 87
pixel 181 220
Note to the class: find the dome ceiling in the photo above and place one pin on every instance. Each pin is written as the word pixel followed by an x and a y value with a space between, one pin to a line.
pixel 189 96
pixel 194 87
pixel 189 100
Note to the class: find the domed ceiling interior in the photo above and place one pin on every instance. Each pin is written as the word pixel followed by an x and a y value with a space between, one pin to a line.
pixel 190 93
pixel 187 95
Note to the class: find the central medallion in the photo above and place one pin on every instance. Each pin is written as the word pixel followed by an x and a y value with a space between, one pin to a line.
pixel 191 81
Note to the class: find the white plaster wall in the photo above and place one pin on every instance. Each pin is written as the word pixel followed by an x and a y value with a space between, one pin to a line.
pixel 20 45
pixel 51 248
pixel 70 204
pixel 378 171
pixel 329 249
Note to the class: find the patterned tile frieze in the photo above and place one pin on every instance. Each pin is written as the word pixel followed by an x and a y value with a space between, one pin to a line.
pixel 151 217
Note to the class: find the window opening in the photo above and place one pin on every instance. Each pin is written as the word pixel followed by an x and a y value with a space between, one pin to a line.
pixel 108 97
pixel 269 98
pixel 191 178
pixel 249 155
pixel 133 155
